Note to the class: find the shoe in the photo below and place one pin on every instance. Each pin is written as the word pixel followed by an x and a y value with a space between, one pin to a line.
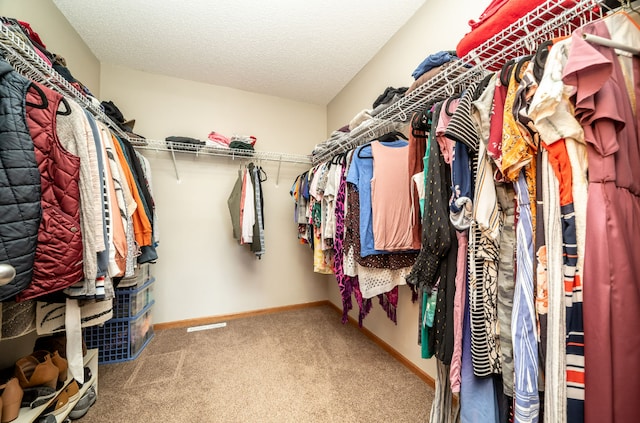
pixel 58 406
pixel 11 399
pixel 87 376
pixel 59 362
pixel 72 390
pixel 49 418
pixel 82 406
pixel 31 372
pixel 36 396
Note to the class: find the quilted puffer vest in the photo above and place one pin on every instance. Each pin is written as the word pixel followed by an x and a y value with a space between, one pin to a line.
pixel 19 183
pixel 58 260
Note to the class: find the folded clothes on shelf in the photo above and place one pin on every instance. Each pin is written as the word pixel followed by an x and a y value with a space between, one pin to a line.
pixel 184 143
pixel 216 139
pixel 247 139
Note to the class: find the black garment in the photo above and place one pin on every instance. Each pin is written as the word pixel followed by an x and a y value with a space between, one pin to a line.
pixel 147 252
pixel 184 143
pixel 141 181
pixel 257 246
pixel 20 211
pixel 388 95
pixel 240 145
pixel 437 258
pixel 392 136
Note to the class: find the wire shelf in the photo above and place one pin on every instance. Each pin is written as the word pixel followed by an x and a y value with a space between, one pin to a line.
pixel 551 19
pixel 206 150
pixel 26 62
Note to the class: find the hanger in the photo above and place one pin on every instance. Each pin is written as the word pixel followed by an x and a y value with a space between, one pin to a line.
pixel 540 56
pixel 447 104
pixel 524 61
pixel 360 151
pixel 43 97
pixel 388 137
pixel 262 175
pixel 505 72
pixel 67 109
pixel 392 136
pixel 338 158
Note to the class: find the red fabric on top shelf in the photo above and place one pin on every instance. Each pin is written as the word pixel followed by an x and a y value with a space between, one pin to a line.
pixel 497 20
pixel 491 10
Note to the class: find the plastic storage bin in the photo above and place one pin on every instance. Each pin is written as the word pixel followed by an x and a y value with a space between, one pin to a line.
pixel 121 339
pixel 141 275
pixel 130 301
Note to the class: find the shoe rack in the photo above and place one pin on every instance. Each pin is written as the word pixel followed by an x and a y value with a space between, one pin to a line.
pixel 28 415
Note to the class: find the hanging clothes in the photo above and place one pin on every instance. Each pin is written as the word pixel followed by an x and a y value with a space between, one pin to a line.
pixel 233 203
pixel 360 174
pixel 58 259
pixel 258 246
pixel 606 108
pixel 22 171
pixel 391 201
pixel 246 209
pixel 436 263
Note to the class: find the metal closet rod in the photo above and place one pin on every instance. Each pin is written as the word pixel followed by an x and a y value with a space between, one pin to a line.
pixel 549 19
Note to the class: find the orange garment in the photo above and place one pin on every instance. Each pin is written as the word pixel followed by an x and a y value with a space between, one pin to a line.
pixel 518 147
pixel 516 153
pixel 141 225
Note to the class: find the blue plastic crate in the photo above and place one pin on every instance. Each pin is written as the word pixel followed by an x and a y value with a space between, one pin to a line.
pixel 121 339
pixel 129 301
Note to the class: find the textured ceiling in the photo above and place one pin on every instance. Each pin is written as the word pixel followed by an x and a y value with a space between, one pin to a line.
pixel 303 50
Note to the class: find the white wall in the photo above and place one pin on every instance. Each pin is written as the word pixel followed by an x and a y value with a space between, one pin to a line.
pixel 202 271
pixel 58 36
pixel 438 25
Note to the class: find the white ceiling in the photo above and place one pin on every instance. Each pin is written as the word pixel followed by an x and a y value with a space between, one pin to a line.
pixel 305 50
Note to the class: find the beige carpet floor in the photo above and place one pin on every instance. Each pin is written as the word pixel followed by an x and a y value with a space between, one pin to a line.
pixel 293 366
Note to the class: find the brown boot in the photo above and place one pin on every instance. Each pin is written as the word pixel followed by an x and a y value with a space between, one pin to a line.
pixel 31 372
pixel 58 361
pixel 10 400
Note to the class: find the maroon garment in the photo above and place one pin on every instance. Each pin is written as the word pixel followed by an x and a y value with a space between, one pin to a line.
pixel 58 259
pixel 417 150
pixel 612 258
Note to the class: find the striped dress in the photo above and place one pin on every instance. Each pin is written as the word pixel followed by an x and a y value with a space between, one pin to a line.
pixel 523 319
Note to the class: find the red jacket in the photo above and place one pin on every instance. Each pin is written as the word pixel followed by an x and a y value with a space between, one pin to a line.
pixel 58 260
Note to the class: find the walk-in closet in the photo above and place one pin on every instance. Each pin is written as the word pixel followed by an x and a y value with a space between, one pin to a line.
pixel 411 211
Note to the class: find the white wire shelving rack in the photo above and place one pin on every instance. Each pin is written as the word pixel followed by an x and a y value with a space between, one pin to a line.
pixel 206 150
pixel 551 19
pixel 25 61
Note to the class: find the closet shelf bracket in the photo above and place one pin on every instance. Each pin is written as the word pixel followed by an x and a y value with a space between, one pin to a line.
pixel 175 166
pixel 278 174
